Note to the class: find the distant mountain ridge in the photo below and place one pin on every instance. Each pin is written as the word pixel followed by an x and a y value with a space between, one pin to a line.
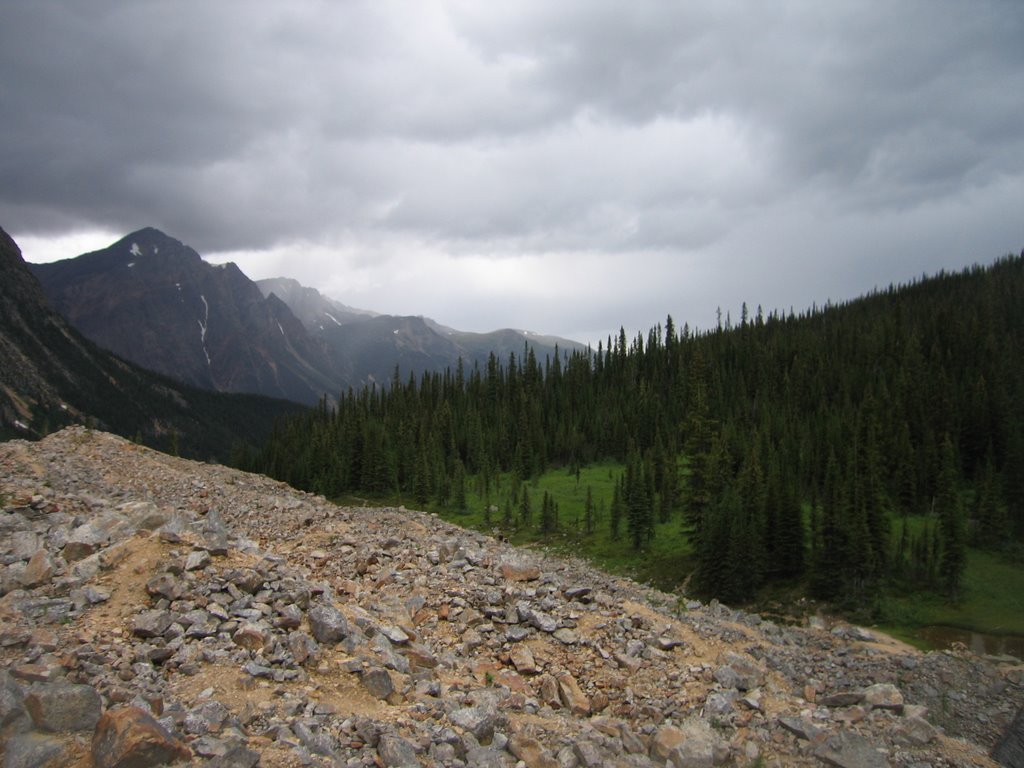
pixel 309 305
pixel 367 346
pixel 154 301
pixel 50 375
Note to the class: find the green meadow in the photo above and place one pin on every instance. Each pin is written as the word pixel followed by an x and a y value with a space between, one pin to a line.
pixel 992 599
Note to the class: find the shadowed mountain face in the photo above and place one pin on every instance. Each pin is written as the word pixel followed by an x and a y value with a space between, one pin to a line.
pixel 50 375
pixel 152 300
pixel 155 302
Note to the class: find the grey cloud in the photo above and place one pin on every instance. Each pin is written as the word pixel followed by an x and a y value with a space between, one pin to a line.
pixel 671 136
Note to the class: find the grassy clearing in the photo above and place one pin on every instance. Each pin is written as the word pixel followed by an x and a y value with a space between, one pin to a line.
pixel 664 562
pixel 993 595
pixel 992 603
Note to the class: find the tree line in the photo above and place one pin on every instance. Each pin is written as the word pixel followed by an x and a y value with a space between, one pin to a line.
pixel 854 445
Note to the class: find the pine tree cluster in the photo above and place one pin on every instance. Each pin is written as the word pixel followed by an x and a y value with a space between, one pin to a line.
pixel 787 444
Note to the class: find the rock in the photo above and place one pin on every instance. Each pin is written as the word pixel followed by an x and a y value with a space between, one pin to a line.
pixel 151 623
pixel 588 754
pixel 395 634
pixel 539 620
pixel 801 728
pixel 11 701
pixel 396 752
pixel 215 533
pixel 520 572
pixel 665 740
pixel 917 731
pixel 23 544
pixel 522 659
pixel 236 757
pixel 719 704
pixel 883 696
pixel 699 747
pixel 131 738
pixel 328 624
pixel 738 672
pixel 566 636
pixel 531 752
pixel 74 551
pixel 39 570
pixel 1010 749
pixel 480 721
pixel 303 648
pixel 484 757
pixel 289 617
pixel 572 696
pixel 165 585
pixel 549 691
pixel 34 750
pixel 846 699
pixel 64 707
pixel 378 683
pixel 316 741
pixel 197 559
pixel 850 750
pixel 251 637
pixel 32 673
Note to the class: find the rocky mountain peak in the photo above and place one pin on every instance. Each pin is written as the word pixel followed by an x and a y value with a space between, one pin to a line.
pixel 154 603
pixel 154 301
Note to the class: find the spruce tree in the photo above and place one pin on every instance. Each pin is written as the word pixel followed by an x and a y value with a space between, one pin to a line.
pixel 589 512
pixel 952 527
pixel 525 513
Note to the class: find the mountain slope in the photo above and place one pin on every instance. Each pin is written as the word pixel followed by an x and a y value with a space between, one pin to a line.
pixel 51 375
pixel 367 346
pixel 155 302
pixel 309 305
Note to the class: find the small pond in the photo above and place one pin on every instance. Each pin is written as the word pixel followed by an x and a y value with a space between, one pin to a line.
pixel 979 643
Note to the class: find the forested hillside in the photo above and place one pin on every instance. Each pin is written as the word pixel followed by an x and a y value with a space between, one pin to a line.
pixel 787 445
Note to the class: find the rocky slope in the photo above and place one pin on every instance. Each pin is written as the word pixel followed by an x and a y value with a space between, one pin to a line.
pixel 155 609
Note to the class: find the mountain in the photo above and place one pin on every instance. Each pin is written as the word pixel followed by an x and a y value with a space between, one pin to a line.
pixel 309 305
pixel 367 346
pixel 50 375
pixel 152 300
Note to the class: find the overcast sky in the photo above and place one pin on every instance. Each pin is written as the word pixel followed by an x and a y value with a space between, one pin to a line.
pixel 566 167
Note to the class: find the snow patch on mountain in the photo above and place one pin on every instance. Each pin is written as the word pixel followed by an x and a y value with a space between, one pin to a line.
pixel 202 328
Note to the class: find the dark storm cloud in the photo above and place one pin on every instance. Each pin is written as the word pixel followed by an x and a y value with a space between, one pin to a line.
pixel 651 156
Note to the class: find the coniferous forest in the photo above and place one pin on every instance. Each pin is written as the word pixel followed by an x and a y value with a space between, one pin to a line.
pixel 787 446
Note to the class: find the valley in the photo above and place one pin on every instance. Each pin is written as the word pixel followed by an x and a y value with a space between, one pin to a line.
pixel 158 609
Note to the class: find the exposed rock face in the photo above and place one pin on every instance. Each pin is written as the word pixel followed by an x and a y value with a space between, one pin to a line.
pixel 226 617
pixel 1010 749
pixel 152 300
pixel 51 375
pixel 131 738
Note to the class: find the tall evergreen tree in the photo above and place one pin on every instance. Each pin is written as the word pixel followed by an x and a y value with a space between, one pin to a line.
pixel 952 527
